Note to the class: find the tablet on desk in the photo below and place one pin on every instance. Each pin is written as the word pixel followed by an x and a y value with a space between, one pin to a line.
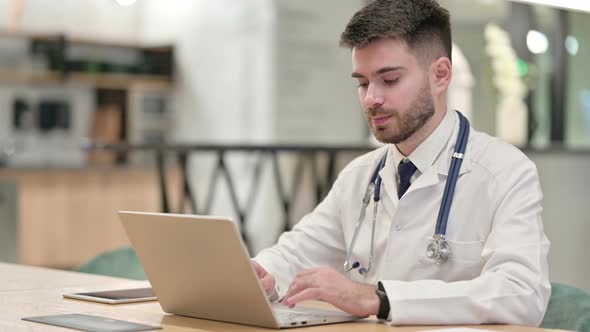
pixel 116 296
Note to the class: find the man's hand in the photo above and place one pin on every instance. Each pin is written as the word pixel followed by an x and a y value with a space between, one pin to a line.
pixel 328 285
pixel 266 279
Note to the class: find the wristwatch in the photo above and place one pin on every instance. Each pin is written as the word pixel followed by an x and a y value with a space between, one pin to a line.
pixel 383 302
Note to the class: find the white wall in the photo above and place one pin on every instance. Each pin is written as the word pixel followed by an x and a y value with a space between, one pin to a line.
pixel 223 55
pixel 316 97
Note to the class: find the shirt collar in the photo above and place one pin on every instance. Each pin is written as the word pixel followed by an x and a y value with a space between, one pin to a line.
pixel 424 156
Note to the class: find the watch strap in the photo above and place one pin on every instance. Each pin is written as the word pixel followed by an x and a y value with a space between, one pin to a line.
pixel 384 308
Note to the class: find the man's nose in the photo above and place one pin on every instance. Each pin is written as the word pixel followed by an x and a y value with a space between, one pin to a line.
pixel 373 98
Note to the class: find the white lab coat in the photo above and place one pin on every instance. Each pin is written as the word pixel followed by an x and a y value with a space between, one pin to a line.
pixel 497 272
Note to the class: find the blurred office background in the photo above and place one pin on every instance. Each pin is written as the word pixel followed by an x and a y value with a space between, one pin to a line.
pixel 247 109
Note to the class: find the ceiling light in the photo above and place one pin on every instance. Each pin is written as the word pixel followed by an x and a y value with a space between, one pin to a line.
pixel 537 42
pixel 571 45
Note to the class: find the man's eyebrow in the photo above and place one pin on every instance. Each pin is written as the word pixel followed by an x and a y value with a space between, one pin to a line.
pixel 388 69
pixel 378 72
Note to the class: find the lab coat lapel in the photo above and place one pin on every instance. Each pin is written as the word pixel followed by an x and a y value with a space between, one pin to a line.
pixel 429 178
pixel 389 198
pixel 440 169
pixel 432 176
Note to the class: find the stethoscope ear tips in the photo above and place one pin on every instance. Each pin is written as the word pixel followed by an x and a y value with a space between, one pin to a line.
pixel 354 265
pixel 363 271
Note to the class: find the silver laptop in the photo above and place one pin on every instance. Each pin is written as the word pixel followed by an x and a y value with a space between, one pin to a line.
pixel 199 267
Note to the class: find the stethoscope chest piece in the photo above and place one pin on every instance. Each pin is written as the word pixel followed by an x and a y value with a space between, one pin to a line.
pixel 438 249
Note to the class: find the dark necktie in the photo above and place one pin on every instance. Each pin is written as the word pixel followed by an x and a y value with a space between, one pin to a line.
pixel 405 170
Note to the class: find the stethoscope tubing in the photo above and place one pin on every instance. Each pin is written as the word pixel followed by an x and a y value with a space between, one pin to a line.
pixel 445 208
pixel 374 187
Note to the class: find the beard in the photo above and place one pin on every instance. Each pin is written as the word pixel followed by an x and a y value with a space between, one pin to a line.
pixel 403 124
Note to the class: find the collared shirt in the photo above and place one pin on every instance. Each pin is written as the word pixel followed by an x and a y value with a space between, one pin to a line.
pixel 424 156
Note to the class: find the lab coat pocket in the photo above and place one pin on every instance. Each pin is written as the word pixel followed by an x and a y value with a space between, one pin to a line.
pixel 467 252
pixel 464 263
pixel 462 252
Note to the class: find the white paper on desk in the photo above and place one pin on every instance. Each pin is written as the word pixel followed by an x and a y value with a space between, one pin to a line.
pixel 456 329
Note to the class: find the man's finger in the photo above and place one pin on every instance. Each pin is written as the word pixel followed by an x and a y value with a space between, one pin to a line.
pixel 304 295
pixel 307 272
pixel 260 271
pixel 268 285
pixel 300 283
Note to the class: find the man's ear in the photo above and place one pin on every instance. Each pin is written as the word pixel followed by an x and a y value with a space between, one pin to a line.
pixel 441 72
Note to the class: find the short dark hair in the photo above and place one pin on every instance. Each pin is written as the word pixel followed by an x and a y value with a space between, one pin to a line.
pixel 423 24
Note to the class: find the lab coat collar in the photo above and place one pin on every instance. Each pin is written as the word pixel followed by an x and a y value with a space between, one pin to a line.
pixel 445 138
pixel 426 154
pixel 388 177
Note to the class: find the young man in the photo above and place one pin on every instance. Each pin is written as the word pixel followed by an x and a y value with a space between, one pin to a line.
pixel 497 268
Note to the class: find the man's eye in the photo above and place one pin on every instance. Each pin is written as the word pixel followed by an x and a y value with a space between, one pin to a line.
pixel 391 82
pixel 363 85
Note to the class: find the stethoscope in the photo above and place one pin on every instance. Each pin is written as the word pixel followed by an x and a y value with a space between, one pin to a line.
pixel 438 249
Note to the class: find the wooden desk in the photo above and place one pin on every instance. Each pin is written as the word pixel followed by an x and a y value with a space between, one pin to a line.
pixel 32 291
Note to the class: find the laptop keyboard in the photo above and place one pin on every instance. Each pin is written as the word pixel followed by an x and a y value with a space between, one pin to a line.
pixel 285 315
pixel 293 316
